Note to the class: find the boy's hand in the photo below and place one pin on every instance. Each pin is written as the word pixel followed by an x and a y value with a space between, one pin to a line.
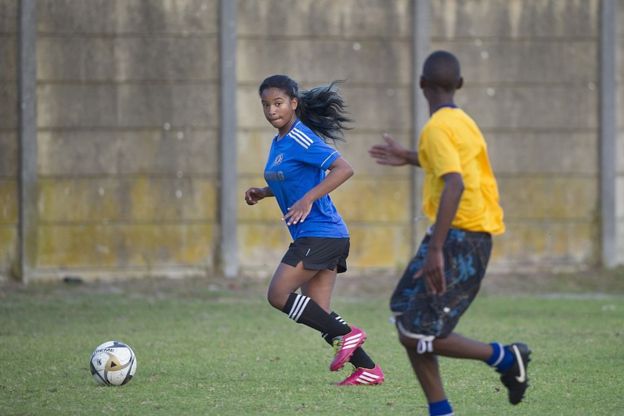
pixel 389 153
pixel 433 272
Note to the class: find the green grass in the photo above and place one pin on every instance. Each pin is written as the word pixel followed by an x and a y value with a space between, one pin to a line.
pixel 212 351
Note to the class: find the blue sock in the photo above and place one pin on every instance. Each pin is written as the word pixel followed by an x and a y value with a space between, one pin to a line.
pixel 441 408
pixel 502 359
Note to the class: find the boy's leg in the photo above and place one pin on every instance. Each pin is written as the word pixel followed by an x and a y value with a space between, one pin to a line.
pixel 455 346
pixel 428 373
pixel 510 361
pixel 409 295
pixel 425 322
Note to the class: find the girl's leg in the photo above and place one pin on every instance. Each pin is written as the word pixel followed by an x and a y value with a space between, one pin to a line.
pixel 320 289
pixel 300 307
pixel 286 280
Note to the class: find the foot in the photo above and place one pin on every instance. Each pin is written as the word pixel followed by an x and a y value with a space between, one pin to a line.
pixel 515 379
pixel 345 346
pixel 364 376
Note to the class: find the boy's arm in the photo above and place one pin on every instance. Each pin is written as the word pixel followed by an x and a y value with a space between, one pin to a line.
pixel 433 269
pixel 391 153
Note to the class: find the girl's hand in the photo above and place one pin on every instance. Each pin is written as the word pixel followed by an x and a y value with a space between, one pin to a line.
pixel 298 212
pixel 253 195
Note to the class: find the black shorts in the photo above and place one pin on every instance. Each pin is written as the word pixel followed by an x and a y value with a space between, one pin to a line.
pixel 318 253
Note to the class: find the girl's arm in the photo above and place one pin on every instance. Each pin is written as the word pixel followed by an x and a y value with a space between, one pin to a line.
pixel 339 172
pixel 253 195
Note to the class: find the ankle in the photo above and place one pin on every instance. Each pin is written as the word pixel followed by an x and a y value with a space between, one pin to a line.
pixel 440 408
pixel 501 359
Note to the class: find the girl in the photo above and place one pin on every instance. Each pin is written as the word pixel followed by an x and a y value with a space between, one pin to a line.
pixel 296 175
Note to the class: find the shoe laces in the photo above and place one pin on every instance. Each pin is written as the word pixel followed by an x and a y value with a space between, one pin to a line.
pixel 337 344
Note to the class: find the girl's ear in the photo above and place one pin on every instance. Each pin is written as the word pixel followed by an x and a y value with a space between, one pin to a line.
pixel 294 103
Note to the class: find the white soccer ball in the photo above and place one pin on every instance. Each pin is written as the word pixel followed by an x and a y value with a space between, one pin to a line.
pixel 113 363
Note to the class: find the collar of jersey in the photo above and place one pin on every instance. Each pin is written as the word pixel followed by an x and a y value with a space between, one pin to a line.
pixel 446 105
pixel 277 136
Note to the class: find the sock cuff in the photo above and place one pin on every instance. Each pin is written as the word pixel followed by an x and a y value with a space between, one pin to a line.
pixel 333 315
pixel 498 353
pixel 441 408
pixel 295 305
pixel 337 317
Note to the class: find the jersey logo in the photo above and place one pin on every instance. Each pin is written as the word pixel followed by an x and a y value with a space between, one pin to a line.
pixel 278 160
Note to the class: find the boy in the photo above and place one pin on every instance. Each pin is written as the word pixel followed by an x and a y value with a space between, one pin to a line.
pixel 460 197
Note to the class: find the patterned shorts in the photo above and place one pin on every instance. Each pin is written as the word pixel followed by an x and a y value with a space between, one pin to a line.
pixel 426 316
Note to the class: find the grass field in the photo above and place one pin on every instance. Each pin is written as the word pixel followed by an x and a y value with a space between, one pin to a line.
pixel 204 349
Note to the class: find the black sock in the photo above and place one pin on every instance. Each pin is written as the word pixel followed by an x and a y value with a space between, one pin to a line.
pixel 304 310
pixel 359 357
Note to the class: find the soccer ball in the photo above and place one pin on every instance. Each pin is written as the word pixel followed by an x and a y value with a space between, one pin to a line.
pixel 113 363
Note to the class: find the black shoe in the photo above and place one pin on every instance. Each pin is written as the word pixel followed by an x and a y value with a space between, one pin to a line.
pixel 515 379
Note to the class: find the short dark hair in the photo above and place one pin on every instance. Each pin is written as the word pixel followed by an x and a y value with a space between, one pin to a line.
pixel 442 70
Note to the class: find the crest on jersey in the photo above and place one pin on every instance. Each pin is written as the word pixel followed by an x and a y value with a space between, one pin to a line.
pixel 278 160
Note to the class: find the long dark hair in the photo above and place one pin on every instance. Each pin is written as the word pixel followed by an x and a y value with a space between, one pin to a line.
pixel 321 108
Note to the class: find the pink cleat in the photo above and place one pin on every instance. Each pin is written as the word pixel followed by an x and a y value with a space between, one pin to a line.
pixel 345 346
pixel 364 376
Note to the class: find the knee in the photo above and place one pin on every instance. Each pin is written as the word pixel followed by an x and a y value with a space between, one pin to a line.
pixel 422 344
pixel 408 343
pixel 276 299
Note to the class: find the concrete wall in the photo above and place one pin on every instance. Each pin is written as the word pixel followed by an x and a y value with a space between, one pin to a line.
pixel 128 126
pixel 128 134
pixel 8 135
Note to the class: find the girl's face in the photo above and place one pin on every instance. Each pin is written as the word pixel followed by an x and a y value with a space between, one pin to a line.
pixel 279 108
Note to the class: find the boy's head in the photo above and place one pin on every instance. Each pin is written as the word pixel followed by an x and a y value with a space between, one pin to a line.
pixel 441 73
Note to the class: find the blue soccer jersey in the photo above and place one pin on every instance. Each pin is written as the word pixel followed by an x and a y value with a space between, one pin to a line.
pixel 297 163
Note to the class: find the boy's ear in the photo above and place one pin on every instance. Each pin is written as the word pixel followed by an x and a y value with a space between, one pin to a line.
pixel 422 83
pixel 460 83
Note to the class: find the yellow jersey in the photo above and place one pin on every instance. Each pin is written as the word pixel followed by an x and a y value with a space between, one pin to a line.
pixel 452 142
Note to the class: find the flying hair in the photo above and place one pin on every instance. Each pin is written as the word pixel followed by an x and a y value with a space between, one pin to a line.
pixel 321 108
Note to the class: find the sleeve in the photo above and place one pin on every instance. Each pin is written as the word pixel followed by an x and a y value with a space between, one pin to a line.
pixel 317 153
pixel 440 152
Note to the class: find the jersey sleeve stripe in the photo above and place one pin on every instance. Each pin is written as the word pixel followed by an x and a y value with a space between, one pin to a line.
pixel 299 139
pixel 328 157
pixel 302 135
